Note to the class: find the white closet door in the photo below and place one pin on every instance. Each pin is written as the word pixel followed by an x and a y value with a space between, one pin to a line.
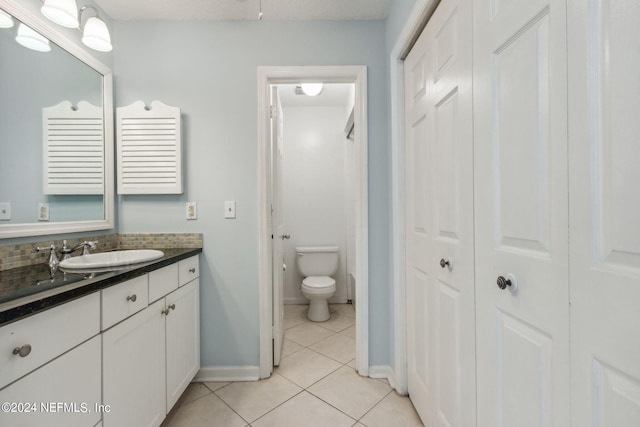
pixel 604 88
pixel 439 210
pixel 520 114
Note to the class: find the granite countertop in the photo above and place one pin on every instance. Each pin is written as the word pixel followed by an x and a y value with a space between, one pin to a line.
pixel 27 290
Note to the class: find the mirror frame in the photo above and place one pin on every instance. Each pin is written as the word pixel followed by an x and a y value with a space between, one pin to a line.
pixel 39 24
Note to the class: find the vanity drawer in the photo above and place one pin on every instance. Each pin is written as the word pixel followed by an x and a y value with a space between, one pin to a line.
pixel 123 300
pixel 163 281
pixel 49 333
pixel 189 269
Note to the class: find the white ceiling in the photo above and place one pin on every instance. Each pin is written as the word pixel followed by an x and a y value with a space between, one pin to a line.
pixel 226 10
pixel 334 94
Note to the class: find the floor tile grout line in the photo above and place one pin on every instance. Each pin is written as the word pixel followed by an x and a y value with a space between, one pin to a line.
pixel 320 379
pixel 302 390
pixel 374 406
pixel 230 407
pixel 329 357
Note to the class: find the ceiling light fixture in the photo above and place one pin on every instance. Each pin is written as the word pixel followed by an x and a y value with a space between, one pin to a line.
pixel 62 12
pixel 311 89
pixel 28 38
pixel 95 33
pixel 5 20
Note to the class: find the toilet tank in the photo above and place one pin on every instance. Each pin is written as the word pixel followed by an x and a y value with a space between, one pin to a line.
pixel 317 260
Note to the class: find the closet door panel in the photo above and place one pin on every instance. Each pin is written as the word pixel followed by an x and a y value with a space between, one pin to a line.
pixel 439 189
pixel 420 361
pixel 520 169
pixel 605 247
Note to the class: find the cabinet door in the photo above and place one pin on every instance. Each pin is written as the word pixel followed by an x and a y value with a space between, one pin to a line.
pixel 134 370
pixel 183 339
pixel 73 380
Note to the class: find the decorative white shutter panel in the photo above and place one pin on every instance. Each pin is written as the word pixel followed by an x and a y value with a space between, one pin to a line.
pixel 149 149
pixel 73 149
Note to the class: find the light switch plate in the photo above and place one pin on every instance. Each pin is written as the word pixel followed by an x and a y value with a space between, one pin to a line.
pixel 191 210
pixel 43 212
pixel 230 209
pixel 5 211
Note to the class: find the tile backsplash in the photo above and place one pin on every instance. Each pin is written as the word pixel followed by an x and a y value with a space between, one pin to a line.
pixel 22 255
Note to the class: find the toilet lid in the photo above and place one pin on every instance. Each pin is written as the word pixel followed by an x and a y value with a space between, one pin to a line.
pixel 318 281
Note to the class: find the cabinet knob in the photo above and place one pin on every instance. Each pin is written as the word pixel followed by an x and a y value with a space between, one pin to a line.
pixel 23 351
pixel 446 263
pixel 192 270
pixel 509 281
pixel 132 298
pixel 168 309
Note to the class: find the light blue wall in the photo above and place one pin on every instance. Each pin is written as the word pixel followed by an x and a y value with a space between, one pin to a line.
pixel 209 69
pixel 396 20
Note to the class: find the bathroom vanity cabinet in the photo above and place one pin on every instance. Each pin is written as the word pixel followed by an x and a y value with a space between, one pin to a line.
pixel 59 354
pixel 121 355
pixel 151 357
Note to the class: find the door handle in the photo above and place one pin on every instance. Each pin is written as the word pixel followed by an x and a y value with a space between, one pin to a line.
pixel 284 267
pixel 509 281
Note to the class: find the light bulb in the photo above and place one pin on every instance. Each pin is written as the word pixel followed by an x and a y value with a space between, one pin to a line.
pixel 311 89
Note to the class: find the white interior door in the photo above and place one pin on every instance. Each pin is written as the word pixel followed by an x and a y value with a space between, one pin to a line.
pixel 604 88
pixel 520 114
pixel 277 225
pixel 439 218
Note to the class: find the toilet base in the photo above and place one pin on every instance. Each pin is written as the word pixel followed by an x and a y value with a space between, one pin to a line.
pixel 318 310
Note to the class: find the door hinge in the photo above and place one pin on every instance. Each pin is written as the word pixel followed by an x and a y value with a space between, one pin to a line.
pixel 272 111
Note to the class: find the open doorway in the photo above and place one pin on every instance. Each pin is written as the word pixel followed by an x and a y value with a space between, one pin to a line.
pixel 350 228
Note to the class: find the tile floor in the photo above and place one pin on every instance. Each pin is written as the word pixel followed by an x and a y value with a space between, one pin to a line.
pixel 315 385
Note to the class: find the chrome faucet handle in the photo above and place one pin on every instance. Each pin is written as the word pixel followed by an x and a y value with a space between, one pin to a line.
pixel 88 245
pixel 53 258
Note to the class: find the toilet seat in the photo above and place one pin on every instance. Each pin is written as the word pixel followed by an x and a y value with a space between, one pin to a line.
pixel 318 282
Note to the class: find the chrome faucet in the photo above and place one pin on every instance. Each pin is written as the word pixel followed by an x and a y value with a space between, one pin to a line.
pixel 66 251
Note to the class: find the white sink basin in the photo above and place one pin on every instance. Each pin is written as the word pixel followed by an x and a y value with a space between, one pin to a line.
pixel 111 259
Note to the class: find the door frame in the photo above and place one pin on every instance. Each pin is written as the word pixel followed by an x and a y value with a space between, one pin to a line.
pixel 415 23
pixel 269 75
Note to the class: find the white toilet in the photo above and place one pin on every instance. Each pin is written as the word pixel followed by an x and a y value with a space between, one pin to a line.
pixel 317 264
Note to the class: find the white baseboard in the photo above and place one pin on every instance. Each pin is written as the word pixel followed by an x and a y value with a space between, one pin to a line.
pixel 227 373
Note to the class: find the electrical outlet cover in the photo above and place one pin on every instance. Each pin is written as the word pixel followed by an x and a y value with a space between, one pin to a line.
pixel 43 212
pixel 191 210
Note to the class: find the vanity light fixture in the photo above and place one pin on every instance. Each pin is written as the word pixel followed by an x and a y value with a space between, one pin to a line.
pixel 95 33
pixel 5 20
pixel 62 12
pixel 29 38
pixel 311 89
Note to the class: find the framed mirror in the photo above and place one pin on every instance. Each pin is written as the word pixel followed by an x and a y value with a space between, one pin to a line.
pixel 56 131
